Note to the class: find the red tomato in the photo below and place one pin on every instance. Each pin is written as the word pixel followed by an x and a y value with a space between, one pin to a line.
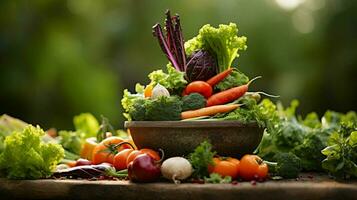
pixel 252 167
pixel 200 87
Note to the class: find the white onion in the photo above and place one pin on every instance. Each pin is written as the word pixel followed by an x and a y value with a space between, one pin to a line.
pixel 176 169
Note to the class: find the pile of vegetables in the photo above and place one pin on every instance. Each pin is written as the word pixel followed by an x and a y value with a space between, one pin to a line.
pixel 293 143
pixel 200 80
pixel 199 84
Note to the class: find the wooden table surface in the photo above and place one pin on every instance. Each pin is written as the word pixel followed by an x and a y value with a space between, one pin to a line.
pixel 306 187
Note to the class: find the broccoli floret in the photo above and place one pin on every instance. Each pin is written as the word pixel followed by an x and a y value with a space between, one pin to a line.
pixel 160 109
pixel 310 150
pixel 163 109
pixel 193 101
pixel 287 165
pixel 138 110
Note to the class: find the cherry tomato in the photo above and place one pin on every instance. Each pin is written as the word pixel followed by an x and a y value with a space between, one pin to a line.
pixel 105 150
pixel 119 161
pixel 200 87
pixel 225 167
pixel 252 167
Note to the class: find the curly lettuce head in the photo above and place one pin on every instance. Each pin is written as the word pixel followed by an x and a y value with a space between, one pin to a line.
pixel 129 99
pixel 26 157
pixel 173 80
pixel 222 42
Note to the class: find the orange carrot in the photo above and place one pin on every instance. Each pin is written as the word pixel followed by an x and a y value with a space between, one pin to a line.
pixel 229 95
pixel 208 111
pixel 219 77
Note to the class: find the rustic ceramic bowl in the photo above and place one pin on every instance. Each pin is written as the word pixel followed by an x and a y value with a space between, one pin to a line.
pixel 178 138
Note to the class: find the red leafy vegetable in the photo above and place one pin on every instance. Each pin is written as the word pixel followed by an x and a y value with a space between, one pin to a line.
pixel 173 44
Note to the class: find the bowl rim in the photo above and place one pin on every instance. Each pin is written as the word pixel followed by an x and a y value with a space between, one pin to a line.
pixel 188 124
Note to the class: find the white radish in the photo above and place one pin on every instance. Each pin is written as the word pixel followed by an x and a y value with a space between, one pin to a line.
pixel 176 169
pixel 159 91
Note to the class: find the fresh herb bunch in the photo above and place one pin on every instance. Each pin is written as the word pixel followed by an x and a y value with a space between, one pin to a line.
pixel 305 137
pixel 341 152
pixel 264 113
pixel 201 158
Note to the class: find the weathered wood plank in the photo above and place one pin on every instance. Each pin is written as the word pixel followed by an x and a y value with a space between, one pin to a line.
pixel 320 187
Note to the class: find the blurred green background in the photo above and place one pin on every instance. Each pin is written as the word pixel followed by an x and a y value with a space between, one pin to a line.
pixel 59 58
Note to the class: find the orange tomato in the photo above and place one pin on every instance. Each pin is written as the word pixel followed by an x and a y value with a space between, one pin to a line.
pixel 252 167
pixel 149 152
pixel 105 150
pixel 119 161
pixel 132 156
pixel 225 167
pixel 235 161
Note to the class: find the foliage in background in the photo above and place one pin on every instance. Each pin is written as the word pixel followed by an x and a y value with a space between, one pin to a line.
pixel 328 144
pixel 59 58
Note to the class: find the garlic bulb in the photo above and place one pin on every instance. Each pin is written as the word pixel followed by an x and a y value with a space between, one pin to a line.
pixel 159 91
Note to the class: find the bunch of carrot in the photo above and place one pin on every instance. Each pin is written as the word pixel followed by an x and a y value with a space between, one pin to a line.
pixel 216 102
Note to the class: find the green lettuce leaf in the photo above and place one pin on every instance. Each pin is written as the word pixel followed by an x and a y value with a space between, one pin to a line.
pixel 129 99
pixel 9 124
pixel 236 78
pixel 26 157
pixel 173 80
